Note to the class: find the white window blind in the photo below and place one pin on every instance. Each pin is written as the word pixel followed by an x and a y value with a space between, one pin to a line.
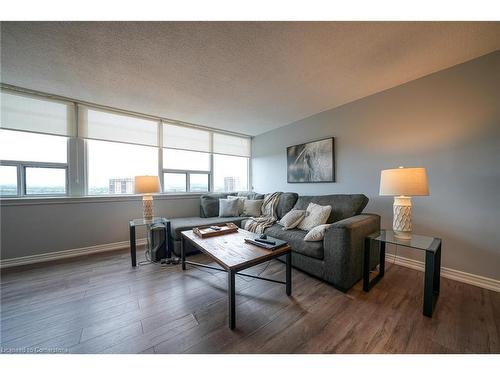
pixel 231 145
pixel 23 112
pixel 185 138
pixel 117 127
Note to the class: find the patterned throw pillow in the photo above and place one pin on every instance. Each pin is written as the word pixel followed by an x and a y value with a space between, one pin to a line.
pixel 240 200
pixel 315 215
pixel 229 207
pixel 317 233
pixel 292 219
pixel 252 207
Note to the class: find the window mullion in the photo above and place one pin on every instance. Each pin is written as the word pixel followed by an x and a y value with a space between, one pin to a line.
pixel 210 177
pixel 21 178
pixel 160 154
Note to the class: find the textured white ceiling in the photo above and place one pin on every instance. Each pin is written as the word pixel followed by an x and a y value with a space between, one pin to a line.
pixel 248 77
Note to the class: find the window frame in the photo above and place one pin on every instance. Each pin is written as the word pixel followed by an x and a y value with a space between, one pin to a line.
pixel 187 174
pixel 21 177
pixel 76 166
pixel 21 172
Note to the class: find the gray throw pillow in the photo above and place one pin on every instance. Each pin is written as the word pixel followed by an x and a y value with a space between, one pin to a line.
pixel 252 207
pixel 240 201
pixel 229 207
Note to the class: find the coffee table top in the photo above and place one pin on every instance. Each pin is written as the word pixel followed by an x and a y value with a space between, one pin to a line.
pixel 232 252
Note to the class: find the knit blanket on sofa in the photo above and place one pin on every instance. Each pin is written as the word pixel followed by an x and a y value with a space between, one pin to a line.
pixel 268 218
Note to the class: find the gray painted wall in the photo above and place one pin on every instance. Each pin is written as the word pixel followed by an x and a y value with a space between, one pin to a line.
pixel 37 228
pixel 448 122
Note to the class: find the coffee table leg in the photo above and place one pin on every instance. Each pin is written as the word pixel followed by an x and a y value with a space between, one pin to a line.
pixel 133 252
pixel 289 274
pixel 231 298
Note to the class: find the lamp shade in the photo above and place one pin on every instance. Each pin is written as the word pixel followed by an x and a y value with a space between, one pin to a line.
pixel 147 184
pixel 404 181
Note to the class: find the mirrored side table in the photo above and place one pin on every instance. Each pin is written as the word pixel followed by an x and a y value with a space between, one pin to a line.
pixel 432 248
pixel 134 223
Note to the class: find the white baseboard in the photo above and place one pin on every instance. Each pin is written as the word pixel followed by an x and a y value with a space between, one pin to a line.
pixel 464 277
pixel 56 255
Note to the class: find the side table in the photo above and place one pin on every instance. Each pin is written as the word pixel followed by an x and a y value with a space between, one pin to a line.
pixel 432 248
pixel 142 222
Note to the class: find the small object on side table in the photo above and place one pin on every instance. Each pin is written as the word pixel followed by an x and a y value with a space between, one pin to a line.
pixel 432 248
pixel 148 223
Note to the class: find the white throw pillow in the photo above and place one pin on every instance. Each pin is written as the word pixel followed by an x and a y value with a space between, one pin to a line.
pixel 292 219
pixel 315 215
pixel 252 207
pixel 241 201
pixel 317 233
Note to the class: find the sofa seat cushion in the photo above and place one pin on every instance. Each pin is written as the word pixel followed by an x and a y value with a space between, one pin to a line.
pixel 295 238
pixel 186 223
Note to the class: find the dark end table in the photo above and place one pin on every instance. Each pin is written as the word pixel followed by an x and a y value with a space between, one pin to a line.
pixel 142 222
pixel 432 248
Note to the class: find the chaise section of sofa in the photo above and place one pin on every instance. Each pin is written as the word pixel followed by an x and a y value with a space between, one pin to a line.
pixel 338 259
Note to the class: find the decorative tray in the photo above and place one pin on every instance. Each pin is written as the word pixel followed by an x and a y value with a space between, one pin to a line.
pixel 209 231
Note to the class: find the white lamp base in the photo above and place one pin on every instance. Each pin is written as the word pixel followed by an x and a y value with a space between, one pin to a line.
pixel 401 223
pixel 147 207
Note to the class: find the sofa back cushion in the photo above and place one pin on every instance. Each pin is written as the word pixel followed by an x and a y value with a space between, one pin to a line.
pixel 286 203
pixel 209 204
pixel 250 195
pixel 343 205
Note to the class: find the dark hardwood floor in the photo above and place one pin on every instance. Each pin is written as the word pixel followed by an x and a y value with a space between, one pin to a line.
pixel 99 304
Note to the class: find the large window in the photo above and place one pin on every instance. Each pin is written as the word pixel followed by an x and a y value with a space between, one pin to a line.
pixel 39 157
pixel 51 147
pixel 34 145
pixel 230 173
pixel 112 166
pixel 230 162
pixel 119 147
pixel 186 160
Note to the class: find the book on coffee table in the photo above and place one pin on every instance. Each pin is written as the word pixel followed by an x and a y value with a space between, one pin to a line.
pixel 270 243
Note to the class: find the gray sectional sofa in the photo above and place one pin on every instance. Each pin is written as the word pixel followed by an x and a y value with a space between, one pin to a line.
pixel 338 259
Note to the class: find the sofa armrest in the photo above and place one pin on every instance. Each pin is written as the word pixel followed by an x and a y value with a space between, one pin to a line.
pixel 343 248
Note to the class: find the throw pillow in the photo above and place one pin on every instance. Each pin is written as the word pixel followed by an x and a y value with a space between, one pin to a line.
pixel 292 219
pixel 252 207
pixel 240 202
pixel 315 215
pixel 228 207
pixel 317 233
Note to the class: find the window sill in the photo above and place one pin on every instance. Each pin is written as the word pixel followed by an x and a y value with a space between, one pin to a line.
pixel 27 201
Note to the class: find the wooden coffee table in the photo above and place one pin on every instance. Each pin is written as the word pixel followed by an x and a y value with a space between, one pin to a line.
pixel 233 254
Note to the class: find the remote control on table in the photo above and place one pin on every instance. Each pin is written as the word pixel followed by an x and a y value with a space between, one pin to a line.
pixel 265 241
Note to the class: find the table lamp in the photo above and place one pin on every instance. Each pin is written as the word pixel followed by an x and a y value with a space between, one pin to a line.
pixel 403 183
pixel 147 185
